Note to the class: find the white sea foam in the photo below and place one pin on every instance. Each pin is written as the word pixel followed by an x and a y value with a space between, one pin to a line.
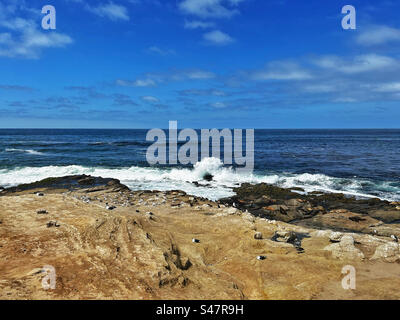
pixel 30 151
pixel 225 178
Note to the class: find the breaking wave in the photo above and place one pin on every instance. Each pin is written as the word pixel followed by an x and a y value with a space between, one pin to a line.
pixel 192 180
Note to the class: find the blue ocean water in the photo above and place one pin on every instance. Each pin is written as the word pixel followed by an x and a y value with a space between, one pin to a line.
pixel 364 163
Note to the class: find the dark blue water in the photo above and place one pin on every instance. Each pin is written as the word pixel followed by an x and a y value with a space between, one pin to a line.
pixel 360 162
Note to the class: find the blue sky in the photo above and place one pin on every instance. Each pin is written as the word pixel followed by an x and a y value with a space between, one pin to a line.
pixel 205 63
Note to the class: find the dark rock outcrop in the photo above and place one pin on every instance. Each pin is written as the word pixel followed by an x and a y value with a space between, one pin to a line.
pixel 70 183
pixel 316 209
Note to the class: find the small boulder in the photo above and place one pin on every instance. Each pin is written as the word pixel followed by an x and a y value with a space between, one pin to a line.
pixel 231 211
pixel 389 252
pixel 345 249
pixel 335 236
pixel 258 236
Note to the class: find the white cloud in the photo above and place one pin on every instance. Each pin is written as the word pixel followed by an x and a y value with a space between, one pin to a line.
pixel 378 35
pixel 388 87
pixel 281 70
pixel 218 37
pixel 219 105
pixel 199 75
pixel 199 25
pixel 161 52
pixel 203 92
pixel 320 88
pixel 153 79
pixel 150 99
pixel 362 63
pixel 210 8
pixel 111 11
pixel 136 83
pixel 26 40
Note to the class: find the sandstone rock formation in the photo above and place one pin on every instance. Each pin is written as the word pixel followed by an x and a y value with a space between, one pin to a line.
pixel 144 248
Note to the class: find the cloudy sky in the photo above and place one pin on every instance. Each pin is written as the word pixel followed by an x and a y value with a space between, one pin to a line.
pixel 205 63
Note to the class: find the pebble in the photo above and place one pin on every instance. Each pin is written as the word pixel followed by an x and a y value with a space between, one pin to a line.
pixel 42 212
pixel 195 240
pixel 40 194
pixel 261 258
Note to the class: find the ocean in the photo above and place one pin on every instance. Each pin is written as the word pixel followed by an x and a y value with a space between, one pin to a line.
pixel 361 163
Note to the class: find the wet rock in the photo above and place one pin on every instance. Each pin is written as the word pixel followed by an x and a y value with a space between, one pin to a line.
pixel 387 216
pixel 343 213
pixel 87 181
pixel 76 182
pixel 208 177
pixel 357 219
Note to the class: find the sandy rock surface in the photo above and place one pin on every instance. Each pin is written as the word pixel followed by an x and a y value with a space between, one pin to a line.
pixel 143 249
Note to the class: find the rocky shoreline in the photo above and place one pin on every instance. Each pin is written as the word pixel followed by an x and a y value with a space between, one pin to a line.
pixel 319 210
pixel 108 242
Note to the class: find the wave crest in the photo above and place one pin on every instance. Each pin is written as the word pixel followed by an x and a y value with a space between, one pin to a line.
pixel 30 151
pixel 224 179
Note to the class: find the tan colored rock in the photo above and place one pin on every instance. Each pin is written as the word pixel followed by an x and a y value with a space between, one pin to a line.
pixel 121 254
pixel 335 236
pixel 389 252
pixel 231 211
pixel 345 249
